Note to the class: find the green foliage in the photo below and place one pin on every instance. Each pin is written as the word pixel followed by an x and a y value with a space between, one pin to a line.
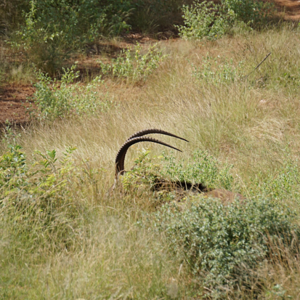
pixel 277 292
pixel 284 185
pixel 225 244
pixel 201 168
pixel 135 67
pixel 212 21
pixel 65 98
pixel 284 74
pixel 9 136
pixel 54 29
pixel 36 198
pixel 45 49
pixel 204 19
pixel 142 175
pixel 251 12
pixel 214 70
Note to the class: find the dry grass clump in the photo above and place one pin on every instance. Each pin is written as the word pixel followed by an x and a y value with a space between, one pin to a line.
pixel 119 259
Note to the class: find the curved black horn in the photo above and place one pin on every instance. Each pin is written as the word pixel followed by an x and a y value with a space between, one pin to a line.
pixel 120 159
pixel 158 131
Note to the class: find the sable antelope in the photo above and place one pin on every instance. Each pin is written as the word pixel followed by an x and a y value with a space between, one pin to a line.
pixel 224 195
pixel 137 138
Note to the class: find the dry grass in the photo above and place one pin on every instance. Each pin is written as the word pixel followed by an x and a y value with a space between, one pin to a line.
pixel 227 119
pixel 251 123
pixel 119 261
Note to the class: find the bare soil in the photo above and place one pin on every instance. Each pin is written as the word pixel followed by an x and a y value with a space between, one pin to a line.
pixel 13 103
pixel 291 9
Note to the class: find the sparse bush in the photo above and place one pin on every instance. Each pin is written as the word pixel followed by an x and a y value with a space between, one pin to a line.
pixel 36 199
pixel 204 20
pixel 208 20
pixel 214 70
pixel 284 185
pixel 223 245
pixel 65 98
pixel 134 67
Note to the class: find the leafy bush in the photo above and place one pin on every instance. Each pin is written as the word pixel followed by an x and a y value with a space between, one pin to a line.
pixel 36 198
pixel 134 68
pixel 251 12
pixel 211 21
pixel 202 168
pixel 204 19
pixel 54 29
pixel 65 99
pixel 223 245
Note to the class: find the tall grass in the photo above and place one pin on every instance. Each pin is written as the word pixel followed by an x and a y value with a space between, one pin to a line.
pixel 240 116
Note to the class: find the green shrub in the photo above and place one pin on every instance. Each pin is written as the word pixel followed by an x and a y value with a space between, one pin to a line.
pixel 223 245
pixel 134 67
pixel 211 21
pixel 65 98
pixel 54 29
pixel 201 168
pixel 252 12
pixel 204 20
pixel 37 204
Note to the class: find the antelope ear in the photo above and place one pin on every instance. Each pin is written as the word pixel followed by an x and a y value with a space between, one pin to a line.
pixel 153 131
pixel 120 159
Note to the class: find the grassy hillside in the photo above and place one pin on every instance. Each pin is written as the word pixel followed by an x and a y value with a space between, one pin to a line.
pixel 66 235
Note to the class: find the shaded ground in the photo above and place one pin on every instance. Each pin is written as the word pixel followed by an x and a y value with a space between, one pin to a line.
pixel 13 97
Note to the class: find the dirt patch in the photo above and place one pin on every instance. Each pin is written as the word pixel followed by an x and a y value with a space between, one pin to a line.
pixel 291 9
pixel 13 103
